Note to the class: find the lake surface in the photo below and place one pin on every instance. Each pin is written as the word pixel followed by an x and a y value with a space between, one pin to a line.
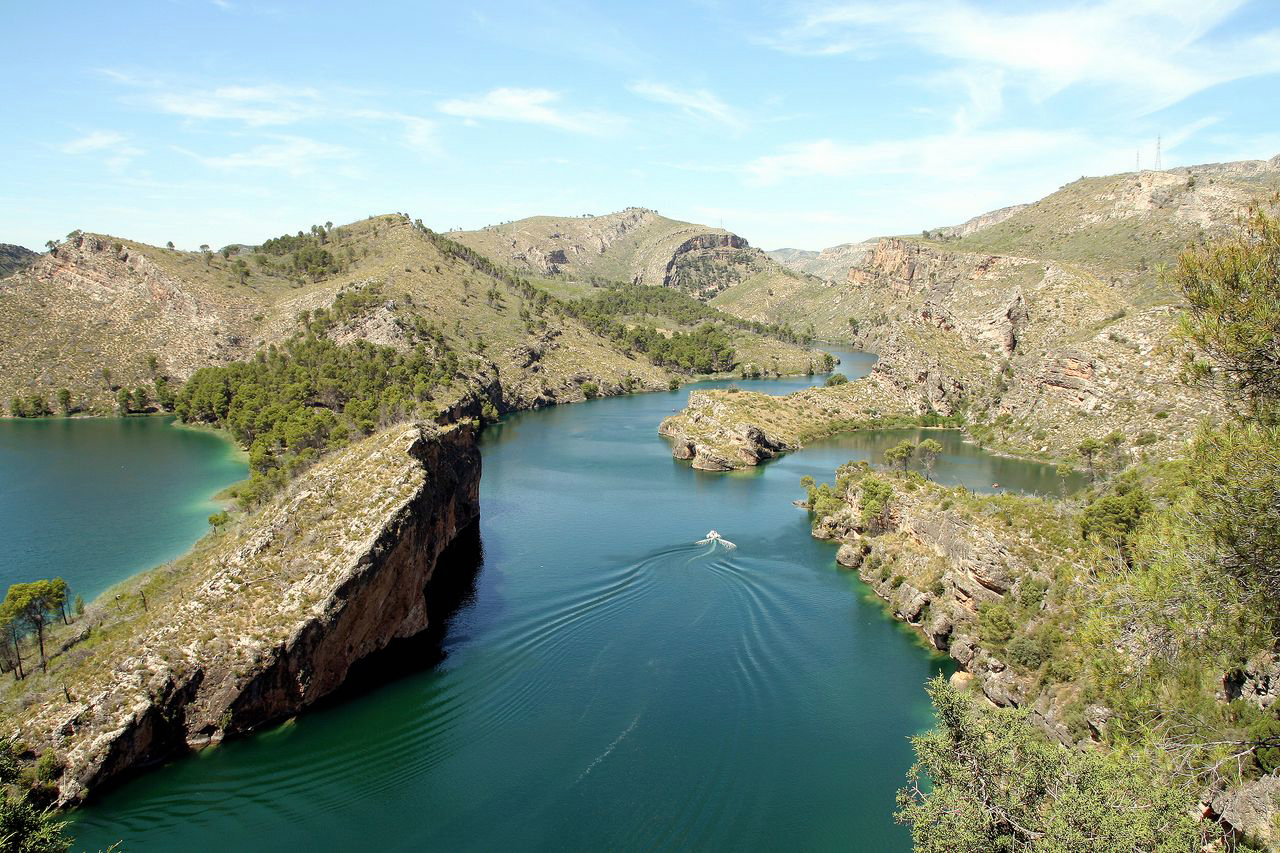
pixel 95 500
pixel 605 683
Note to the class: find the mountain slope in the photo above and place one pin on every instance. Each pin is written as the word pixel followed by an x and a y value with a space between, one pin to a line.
pixel 1047 325
pixel 14 258
pixel 635 245
pixel 102 302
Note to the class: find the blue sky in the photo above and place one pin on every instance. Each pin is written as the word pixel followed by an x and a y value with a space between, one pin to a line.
pixel 800 124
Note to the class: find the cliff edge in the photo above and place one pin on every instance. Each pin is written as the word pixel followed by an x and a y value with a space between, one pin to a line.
pixel 260 620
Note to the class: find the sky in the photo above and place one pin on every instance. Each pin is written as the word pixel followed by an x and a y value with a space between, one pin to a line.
pixel 803 124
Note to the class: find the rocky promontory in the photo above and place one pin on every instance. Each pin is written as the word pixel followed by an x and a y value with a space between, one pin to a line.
pixel 728 429
pixel 262 619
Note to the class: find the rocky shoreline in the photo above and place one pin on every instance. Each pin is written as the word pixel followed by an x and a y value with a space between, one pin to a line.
pixel 263 620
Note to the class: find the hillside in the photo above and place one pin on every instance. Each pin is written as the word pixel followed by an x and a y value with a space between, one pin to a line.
pixel 1045 324
pixel 99 314
pixel 635 245
pixel 14 258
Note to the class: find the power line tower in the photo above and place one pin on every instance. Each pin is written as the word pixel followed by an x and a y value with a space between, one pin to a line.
pixel 1159 165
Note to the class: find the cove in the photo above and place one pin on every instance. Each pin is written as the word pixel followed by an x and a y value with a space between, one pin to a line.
pixel 95 500
pixel 604 684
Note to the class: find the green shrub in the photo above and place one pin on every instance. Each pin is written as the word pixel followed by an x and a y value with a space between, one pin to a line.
pixel 995 624
pixel 1025 652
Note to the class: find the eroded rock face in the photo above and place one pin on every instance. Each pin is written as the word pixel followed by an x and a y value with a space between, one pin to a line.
pixel 342 586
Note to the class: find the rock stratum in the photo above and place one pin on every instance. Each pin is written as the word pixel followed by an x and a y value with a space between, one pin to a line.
pixel 261 620
pixel 1048 323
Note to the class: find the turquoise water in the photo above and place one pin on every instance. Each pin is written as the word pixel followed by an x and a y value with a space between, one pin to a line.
pixel 603 683
pixel 94 500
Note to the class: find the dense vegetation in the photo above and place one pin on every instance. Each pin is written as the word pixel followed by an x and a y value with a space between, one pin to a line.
pixel 1167 616
pixel 291 403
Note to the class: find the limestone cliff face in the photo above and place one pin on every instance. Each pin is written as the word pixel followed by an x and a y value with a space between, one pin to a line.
pixel 273 615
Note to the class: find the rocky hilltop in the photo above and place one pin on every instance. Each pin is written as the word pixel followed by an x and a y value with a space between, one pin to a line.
pixel 1049 323
pixel 14 258
pixel 102 302
pixel 635 245
pixel 262 619
pixel 100 314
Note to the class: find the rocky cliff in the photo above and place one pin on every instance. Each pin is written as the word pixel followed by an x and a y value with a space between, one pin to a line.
pixel 1046 323
pixel 262 620
pixel 939 556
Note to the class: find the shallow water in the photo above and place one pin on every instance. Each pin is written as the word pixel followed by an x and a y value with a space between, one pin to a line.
pixel 605 683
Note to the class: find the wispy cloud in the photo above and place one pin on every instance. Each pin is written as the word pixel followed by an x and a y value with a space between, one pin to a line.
pixel 95 140
pixel 264 107
pixel 530 106
pixel 116 148
pixel 1154 53
pixel 292 155
pixel 699 103
pixel 954 156
pixel 254 105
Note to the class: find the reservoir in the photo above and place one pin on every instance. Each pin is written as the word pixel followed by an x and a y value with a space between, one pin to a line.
pixel 604 682
pixel 95 500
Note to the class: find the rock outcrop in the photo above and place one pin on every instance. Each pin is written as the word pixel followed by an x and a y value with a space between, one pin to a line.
pixel 263 620
pixel 724 430
pixel 936 557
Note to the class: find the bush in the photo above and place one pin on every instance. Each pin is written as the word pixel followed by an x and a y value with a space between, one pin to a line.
pixel 590 390
pixel 1025 652
pixel 1266 734
pixel 836 379
pixel 995 624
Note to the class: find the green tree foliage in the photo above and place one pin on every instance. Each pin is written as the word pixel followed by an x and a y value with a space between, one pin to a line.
pixel 900 454
pixel 33 604
pixel 1110 519
pixel 984 781
pixel 836 379
pixel 1200 592
pixel 290 403
pixel 1232 323
pixel 928 451
pixel 27 829
pixel 124 401
pixel 64 401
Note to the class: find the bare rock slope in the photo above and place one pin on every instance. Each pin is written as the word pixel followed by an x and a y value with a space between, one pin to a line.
pixel 1051 319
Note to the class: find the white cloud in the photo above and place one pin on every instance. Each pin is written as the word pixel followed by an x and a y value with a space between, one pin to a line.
pixel 531 106
pixel 95 140
pixel 695 102
pixel 953 156
pixel 1153 52
pixel 116 149
pixel 293 155
pixel 253 105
